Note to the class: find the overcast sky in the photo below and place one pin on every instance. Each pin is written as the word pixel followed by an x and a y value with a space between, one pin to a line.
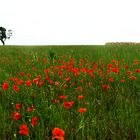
pixel 55 22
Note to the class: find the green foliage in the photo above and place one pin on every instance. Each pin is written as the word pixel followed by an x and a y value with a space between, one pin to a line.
pixel 111 113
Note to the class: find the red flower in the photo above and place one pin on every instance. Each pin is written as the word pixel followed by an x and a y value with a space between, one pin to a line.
pixel 50 82
pixel 110 65
pixel 35 80
pixel 82 110
pixel 116 70
pixel 39 76
pixel 79 88
pixel 16 88
pixel 30 109
pixel 34 68
pixel 82 80
pixel 5 86
pixel 16 116
pixel 132 77
pixel 59 73
pixel 123 80
pixel 111 79
pixel 55 101
pixel 58 134
pixel 128 72
pixel 68 79
pixel 63 97
pixel 56 83
pixel 18 106
pixel 84 70
pixel 80 97
pixel 105 86
pixel 126 66
pixel 113 61
pixel 28 74
pixel 68 105
pixel 39 84
pixel 136 62
pixel 75 70
pixel 137 70
pixel 23 130
pixel 28 83
pixel 20 82
pixel 21 73
pixel 46 71
pixel 34 121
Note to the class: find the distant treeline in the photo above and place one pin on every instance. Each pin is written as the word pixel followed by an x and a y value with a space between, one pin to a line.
pixel 122 43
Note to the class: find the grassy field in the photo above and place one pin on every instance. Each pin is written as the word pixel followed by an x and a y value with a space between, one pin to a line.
pixel 70 92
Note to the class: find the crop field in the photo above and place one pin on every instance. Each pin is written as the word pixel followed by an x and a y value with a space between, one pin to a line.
pixel 70 92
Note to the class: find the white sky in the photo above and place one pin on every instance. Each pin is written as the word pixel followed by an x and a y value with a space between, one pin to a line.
pixel 55 22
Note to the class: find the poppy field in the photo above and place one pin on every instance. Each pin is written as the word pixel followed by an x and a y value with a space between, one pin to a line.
pixel 70 92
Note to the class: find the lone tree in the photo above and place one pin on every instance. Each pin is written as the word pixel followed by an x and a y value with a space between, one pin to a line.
pixel 4 35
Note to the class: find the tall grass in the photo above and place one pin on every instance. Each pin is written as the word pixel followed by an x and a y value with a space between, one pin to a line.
pixel 43 78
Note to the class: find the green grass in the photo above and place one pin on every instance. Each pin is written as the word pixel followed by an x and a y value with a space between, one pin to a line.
pixel 112 114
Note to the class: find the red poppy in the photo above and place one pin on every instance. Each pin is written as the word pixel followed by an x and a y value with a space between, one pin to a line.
pixel 46 71
pixel 18 106
pixel 63 67
pixel 68 79
pixel 80 97
pixel 110 65
pixel 39 76
pixel 128 72
pixel 105 86
pixel 56 83
pixel 55 101
pixel 28 83
pixel 137 70
pixel 21 73
pixel 68 105
pixel 113 61
pixel 108 71
pixel 28 74
pixel 16 88
pixel 5 86
pixel 82 80
pixel 59 73
pixel 84 70
pixel 76 71
pixel 63 97
pixel 82 110
pixel 16 116
pixel 35 80
pixel 132 77
pixel 136 62
pixel 23 130
pixel 39 84
pixel 50 82
pixel 45 61
pixel 20 82
pixel 30 109
pixel 111 79
pixel 123 80
pixel 34 68
pixel 58 134
pixel 34 121
pixel 64 86
pixel 79 88
pixel 126 66
pixel 116 70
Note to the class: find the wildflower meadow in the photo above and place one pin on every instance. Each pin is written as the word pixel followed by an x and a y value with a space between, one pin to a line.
pixel 70 92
